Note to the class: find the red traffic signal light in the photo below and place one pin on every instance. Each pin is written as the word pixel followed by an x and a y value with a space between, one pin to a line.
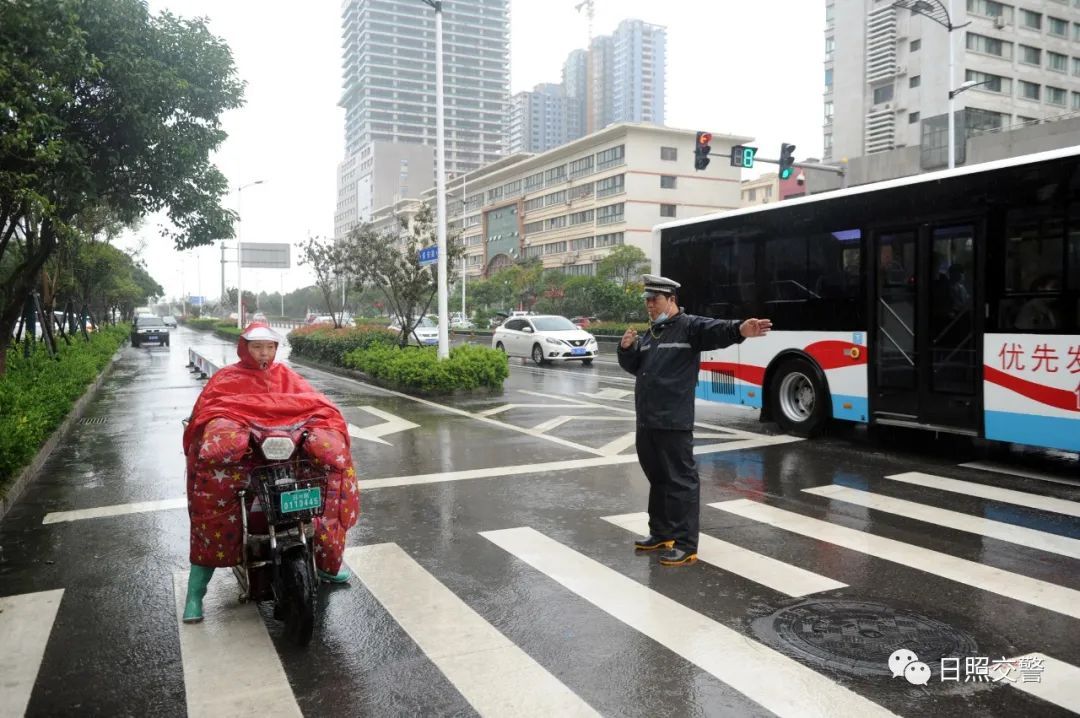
pixel 702 148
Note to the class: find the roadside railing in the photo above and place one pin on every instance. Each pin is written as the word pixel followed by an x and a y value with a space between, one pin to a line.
pixel 202 365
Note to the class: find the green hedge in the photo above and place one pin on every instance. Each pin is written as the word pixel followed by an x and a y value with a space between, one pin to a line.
pixel 201 323
pixel 419 369
pixel 328 345
pixel 36 393
pixel 614 329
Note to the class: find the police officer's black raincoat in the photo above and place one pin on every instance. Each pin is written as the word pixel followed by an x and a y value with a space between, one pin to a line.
pixel 666 360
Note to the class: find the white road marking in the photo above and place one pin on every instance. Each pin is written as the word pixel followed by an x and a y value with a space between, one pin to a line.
pixel 776 682
pixel 490 671
pixel 114 510
pixel 26 622
pixel 230 664
pixel 551 424
pixel 507 407
pixel 521 469
pixel 471 415
pixel 609 394
pixel 995 580
pixel 991 493
pixel 1020 535
pixel 391 425
pixel 1024 473
pixel 765 570
pixel 619 445
pixel 1059 682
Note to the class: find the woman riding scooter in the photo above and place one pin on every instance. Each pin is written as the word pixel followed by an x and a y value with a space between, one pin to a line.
pixel 258 391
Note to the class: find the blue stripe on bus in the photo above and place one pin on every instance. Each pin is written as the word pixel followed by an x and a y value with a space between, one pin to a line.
pixel 740 394
pixel 1050 431
pixel 860 407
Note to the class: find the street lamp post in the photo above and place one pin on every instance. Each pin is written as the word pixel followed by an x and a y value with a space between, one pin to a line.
pixel 440 181
pixel 937 11
pixel 240 252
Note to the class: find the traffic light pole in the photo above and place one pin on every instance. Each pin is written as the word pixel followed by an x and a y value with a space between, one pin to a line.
pixel 810 166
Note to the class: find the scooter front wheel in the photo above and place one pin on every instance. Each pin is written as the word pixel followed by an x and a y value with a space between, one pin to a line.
pixel 299 595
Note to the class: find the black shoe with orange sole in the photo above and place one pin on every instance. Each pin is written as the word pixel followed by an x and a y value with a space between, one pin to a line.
pixel 678 557
pixel 652 543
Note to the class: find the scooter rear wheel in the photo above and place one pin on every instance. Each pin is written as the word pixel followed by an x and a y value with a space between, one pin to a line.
pixel 300 596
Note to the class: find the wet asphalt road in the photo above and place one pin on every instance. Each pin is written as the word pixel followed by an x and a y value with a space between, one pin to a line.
pixel 494 558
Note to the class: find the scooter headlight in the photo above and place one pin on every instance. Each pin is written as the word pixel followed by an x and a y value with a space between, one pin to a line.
pixel 278 448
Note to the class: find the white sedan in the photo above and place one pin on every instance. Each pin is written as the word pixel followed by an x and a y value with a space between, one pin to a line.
pixel 545 338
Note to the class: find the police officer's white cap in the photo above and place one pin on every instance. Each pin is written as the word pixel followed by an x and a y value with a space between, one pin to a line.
pixel 658 285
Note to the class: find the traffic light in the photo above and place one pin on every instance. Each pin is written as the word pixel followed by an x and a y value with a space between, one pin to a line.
pixel 702 150
pixel 787 159
pixel 743 156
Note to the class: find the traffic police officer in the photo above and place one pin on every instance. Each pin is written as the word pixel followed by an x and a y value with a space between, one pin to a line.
pixel 665 361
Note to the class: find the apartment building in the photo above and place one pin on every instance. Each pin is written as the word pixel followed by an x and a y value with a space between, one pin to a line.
pixel 763 190
pixel 570 206
pixel 886 71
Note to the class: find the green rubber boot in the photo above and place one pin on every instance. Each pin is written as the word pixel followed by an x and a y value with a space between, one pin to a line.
pixel 341 576
pixel 196 589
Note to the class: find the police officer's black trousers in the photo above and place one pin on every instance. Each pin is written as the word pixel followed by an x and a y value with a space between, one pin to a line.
pixel 667 458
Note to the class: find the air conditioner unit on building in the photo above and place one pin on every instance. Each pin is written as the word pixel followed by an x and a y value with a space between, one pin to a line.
pixel 999 21
pixel 901 69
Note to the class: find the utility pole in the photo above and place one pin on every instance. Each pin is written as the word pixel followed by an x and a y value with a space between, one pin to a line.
pixel 440 180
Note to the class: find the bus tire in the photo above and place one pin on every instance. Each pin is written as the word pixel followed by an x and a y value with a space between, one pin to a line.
pixel 798 400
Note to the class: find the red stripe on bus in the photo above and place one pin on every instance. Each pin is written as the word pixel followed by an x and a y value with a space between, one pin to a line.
pixel 832 354
pixel 1057 398
pixel 742 372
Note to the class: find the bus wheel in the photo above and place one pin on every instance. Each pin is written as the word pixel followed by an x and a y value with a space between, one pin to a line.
pixel 799 401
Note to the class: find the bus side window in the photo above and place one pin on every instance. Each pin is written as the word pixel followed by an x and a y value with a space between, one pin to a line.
pixel 1035 264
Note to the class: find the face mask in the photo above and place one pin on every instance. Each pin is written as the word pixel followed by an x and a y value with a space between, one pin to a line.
pixel 660 318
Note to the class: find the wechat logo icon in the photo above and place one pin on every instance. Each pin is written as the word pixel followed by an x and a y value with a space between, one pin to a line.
pixel 905 663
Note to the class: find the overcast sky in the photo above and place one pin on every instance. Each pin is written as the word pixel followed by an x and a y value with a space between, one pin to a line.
pixel 750 68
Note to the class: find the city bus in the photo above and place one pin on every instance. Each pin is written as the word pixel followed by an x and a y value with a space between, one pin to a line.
pixel 947 301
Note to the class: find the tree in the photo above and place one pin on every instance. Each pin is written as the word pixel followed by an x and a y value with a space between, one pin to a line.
pixel 329 261
pixel 391 262
pixel 624 266
pixel 104 105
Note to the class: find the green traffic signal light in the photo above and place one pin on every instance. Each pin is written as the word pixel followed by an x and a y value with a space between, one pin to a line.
pixel 787 160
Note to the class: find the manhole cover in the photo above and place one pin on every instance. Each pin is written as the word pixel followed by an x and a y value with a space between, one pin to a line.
pixel 858 636
pixel 94 420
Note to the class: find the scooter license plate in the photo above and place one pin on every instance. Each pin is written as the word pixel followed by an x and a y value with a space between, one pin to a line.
pixel 301 500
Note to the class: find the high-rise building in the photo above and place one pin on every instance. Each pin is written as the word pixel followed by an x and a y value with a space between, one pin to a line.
pixel 542 119
pixel 575 82
pixel 638 64
pixel 886 72
pixel 389 71
pixel 389 90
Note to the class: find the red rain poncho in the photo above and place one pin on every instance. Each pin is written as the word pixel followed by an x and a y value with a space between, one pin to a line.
pixel 218 462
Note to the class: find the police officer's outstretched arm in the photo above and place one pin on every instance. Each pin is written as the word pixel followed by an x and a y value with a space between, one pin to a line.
pixel 628 353
pixel 708 334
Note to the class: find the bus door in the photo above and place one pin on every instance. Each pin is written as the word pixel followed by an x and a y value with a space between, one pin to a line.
pixel 925 353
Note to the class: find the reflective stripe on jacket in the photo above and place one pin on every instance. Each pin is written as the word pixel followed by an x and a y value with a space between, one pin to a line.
pixel 665 361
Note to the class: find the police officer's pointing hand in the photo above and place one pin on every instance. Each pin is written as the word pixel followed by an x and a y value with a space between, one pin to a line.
pixel 755 327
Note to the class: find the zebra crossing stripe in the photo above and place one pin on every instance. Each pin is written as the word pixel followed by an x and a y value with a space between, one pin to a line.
pixel 1004 583
pixel 999 530
pixel 495 676
pixel 26 622
pixel 1059 682
pixel 991 493
pixel 777 575
pixel 231 667
pixel 776 682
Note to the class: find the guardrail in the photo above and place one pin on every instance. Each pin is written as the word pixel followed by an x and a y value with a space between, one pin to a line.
pixel 198 363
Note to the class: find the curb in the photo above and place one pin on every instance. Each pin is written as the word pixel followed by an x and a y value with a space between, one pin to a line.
pixel 31 471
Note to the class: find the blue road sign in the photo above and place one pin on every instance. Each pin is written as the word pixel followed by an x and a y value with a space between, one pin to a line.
pixel 429 255
pixel 195 301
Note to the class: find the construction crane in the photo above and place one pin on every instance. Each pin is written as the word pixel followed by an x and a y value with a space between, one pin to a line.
pixel 590 11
